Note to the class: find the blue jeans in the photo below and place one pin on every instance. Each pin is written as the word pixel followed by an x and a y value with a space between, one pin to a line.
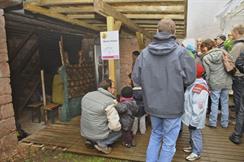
pixel 224 98
pixel 112 137
pixel 196 141
pixel 161 147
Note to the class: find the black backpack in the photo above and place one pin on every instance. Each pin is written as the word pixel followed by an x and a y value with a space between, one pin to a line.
pixel 240 62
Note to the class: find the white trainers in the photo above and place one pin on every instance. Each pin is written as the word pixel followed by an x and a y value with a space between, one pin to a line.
pixel 192 157
pixel 135 126
pixel 143 124
pixel 187 149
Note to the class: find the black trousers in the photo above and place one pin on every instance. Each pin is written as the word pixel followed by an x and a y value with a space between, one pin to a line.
pixel 238 88
pixel 127 137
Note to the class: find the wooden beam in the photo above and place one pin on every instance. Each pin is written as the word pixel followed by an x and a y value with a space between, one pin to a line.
pixel 20 46
pixel 153 21
pixel 150 9
pixel 23 21
pixel 40 10
pixel 133 1
pixel 82 16
pixel 117 25
pixel 9 3
pixel 107 10
pixel 71 9
pixel 155 16
pixel 124 9
pixel 80 2
pixel 155 26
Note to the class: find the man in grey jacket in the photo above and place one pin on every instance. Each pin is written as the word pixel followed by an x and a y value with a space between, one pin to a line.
pixel 99 122
pixel 164 70
pixel 238 83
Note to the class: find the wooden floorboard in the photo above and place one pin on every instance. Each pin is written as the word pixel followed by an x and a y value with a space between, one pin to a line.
pixel 217 147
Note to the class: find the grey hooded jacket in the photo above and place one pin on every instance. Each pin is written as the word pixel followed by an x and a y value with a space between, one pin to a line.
pixel 164 70
pixel 216 76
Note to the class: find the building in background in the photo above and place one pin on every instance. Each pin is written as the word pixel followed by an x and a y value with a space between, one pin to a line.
pixel 232 13
pixel 201 20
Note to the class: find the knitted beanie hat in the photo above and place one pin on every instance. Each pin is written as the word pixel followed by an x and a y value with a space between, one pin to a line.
pixel 127 92
pixel 199 70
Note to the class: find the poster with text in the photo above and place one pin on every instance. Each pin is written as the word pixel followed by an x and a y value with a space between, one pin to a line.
pixel 110 45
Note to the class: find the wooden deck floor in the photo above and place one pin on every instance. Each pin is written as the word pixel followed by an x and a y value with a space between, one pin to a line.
pixel 217 147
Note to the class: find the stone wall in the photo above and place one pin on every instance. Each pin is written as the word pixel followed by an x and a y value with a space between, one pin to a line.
pixel 8 137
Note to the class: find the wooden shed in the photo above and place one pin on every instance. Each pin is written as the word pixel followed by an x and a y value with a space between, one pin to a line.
pixel 48 34
pixel 62 37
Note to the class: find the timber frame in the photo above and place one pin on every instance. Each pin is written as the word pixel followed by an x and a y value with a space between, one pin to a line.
pixel 136 15
pixel 9 3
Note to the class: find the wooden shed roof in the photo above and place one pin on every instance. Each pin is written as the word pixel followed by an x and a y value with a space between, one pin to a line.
pixel 136 15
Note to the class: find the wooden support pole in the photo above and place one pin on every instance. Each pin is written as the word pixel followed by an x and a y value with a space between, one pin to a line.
pixel 61 45
pixel 44 97
pixel 111 63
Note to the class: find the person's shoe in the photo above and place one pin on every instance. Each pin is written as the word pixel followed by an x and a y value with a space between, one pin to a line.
pixel 105 150
pixel 89 144
pixel 235 139
pixel 133 143
pixel 225 127
pixel 128 145
pixel 210 126
pixel 187 149
pixel 192 157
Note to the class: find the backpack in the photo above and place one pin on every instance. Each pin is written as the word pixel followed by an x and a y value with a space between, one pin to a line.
pixel 240 62
pixel 229 64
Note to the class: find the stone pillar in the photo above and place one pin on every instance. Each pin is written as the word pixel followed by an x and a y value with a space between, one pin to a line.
pixel 8 137
pixel 127 46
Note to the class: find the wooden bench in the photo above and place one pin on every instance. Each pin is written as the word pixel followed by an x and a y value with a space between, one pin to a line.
pixel 51 109
pixel 36 111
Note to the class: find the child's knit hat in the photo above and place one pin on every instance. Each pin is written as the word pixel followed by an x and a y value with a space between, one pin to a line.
pixel 199 70
pixel 127 92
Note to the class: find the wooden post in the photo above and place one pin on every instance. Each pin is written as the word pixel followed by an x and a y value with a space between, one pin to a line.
pixel 111 63
pixel 44 97
pixel 61 44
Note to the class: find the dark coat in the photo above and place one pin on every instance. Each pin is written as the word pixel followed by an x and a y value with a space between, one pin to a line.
pixel 127 110
pixel 138 96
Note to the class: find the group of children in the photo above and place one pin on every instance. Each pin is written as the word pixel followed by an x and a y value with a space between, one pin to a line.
pixel 132 114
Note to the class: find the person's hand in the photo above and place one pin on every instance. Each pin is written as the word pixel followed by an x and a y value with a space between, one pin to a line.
pixel 192 127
